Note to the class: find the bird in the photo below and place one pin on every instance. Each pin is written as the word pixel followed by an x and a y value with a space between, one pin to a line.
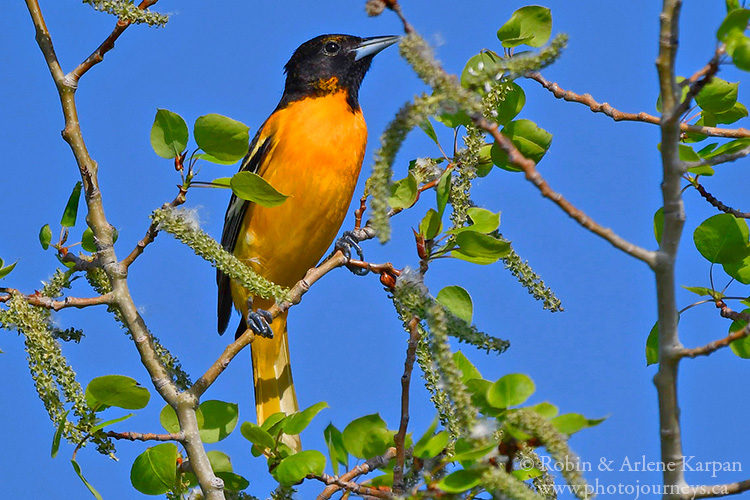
pixel 311 149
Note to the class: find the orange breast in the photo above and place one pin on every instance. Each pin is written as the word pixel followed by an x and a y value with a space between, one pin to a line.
pixel 316 153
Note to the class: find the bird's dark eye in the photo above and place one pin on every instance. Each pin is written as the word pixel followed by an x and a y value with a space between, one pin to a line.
pixel 331 48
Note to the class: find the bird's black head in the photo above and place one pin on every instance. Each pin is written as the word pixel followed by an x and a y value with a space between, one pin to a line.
pixel 331 63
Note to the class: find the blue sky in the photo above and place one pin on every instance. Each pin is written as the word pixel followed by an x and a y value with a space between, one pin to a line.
pixel 347 344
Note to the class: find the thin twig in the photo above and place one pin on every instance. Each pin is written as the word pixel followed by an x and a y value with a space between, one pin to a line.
pixel 532 174
pixel 359 489
pixel 617 115
pixel 148 436
pixel 368 466
pixel 108 44
pixel 718 204
pixel 700 79
pixel 717 490
pixel 39 300
pixel 718 159
pixel 153 230
pixel 400 438
pixel 728 313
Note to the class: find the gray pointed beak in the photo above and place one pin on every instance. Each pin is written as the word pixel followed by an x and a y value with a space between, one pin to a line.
pixel 371 46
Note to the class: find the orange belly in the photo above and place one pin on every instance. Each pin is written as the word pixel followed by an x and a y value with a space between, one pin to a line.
pixel 315 157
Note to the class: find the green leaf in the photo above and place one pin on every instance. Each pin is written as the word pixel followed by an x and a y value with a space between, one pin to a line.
pixel 739 270
pixel 117 390
pixel 272 420
pixel 91 489
pixel 480 248
pixel 736 112
pixel 530 140
pixel 45 236
pixel 219 420
pixel 453 120
pixel 58 434
pixel 734 24
pixel 232 481
pixel 382 480
pixel 403 192
pixel 732 4
pixel 512 104
pixel 740 347
pixel 740 51
pixel 730 147
pixel 295 468
pixel 221 137
pixel 526 474
pixel 460 480
pixel 154 471
pixel 297 422
pixel 478 388
pixel 169 134
pixel 479 69
pixel 426 125
pixel 213 159
pixel 722 239
pixel 483 220
pixel 432 446
pixel 87 240
pixel 652 345
pixel 458 302
pixel 717 96
pixel 702 291
pixel 570 423
pixel 220 461
pixel 442 190
pixel 252 187
pixel 531 25
pixel 658 224
pixel 510 390
pixel 484 166
pixel 110 422
pixel 336 449
pixel 467 451
pixel 222 182
pixel 367 436
pixel 545 409
pixel 431 225
pixel 70 214
pixel 257 435
pixel 468 370
pixel 5 271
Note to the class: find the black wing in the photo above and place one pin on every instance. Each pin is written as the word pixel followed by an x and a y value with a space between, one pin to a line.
pixel 232 226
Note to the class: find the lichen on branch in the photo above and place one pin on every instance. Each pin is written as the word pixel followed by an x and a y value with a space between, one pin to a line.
pixel 128 12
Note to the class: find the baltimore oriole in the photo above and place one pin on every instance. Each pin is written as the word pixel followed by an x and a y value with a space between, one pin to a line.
pixel 310 148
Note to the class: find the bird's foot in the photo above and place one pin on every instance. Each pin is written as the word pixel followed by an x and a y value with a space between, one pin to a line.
pixel 345 244
pixel 259 322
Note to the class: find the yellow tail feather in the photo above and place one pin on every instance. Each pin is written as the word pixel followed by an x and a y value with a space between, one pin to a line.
pixel 272 376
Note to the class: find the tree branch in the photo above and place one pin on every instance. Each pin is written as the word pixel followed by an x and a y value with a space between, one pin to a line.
pixel 532 174
pixel 184 403
pixel 718 204
pixel 400 438
pixel 717 490
pixel 148 436
pixel 718 159
pixel 369 465
pixel 359 489
pixel 701 78
pixel 617 115
pixel 153 229
pixel 39 300
pixel 108 44
pixel 674 220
